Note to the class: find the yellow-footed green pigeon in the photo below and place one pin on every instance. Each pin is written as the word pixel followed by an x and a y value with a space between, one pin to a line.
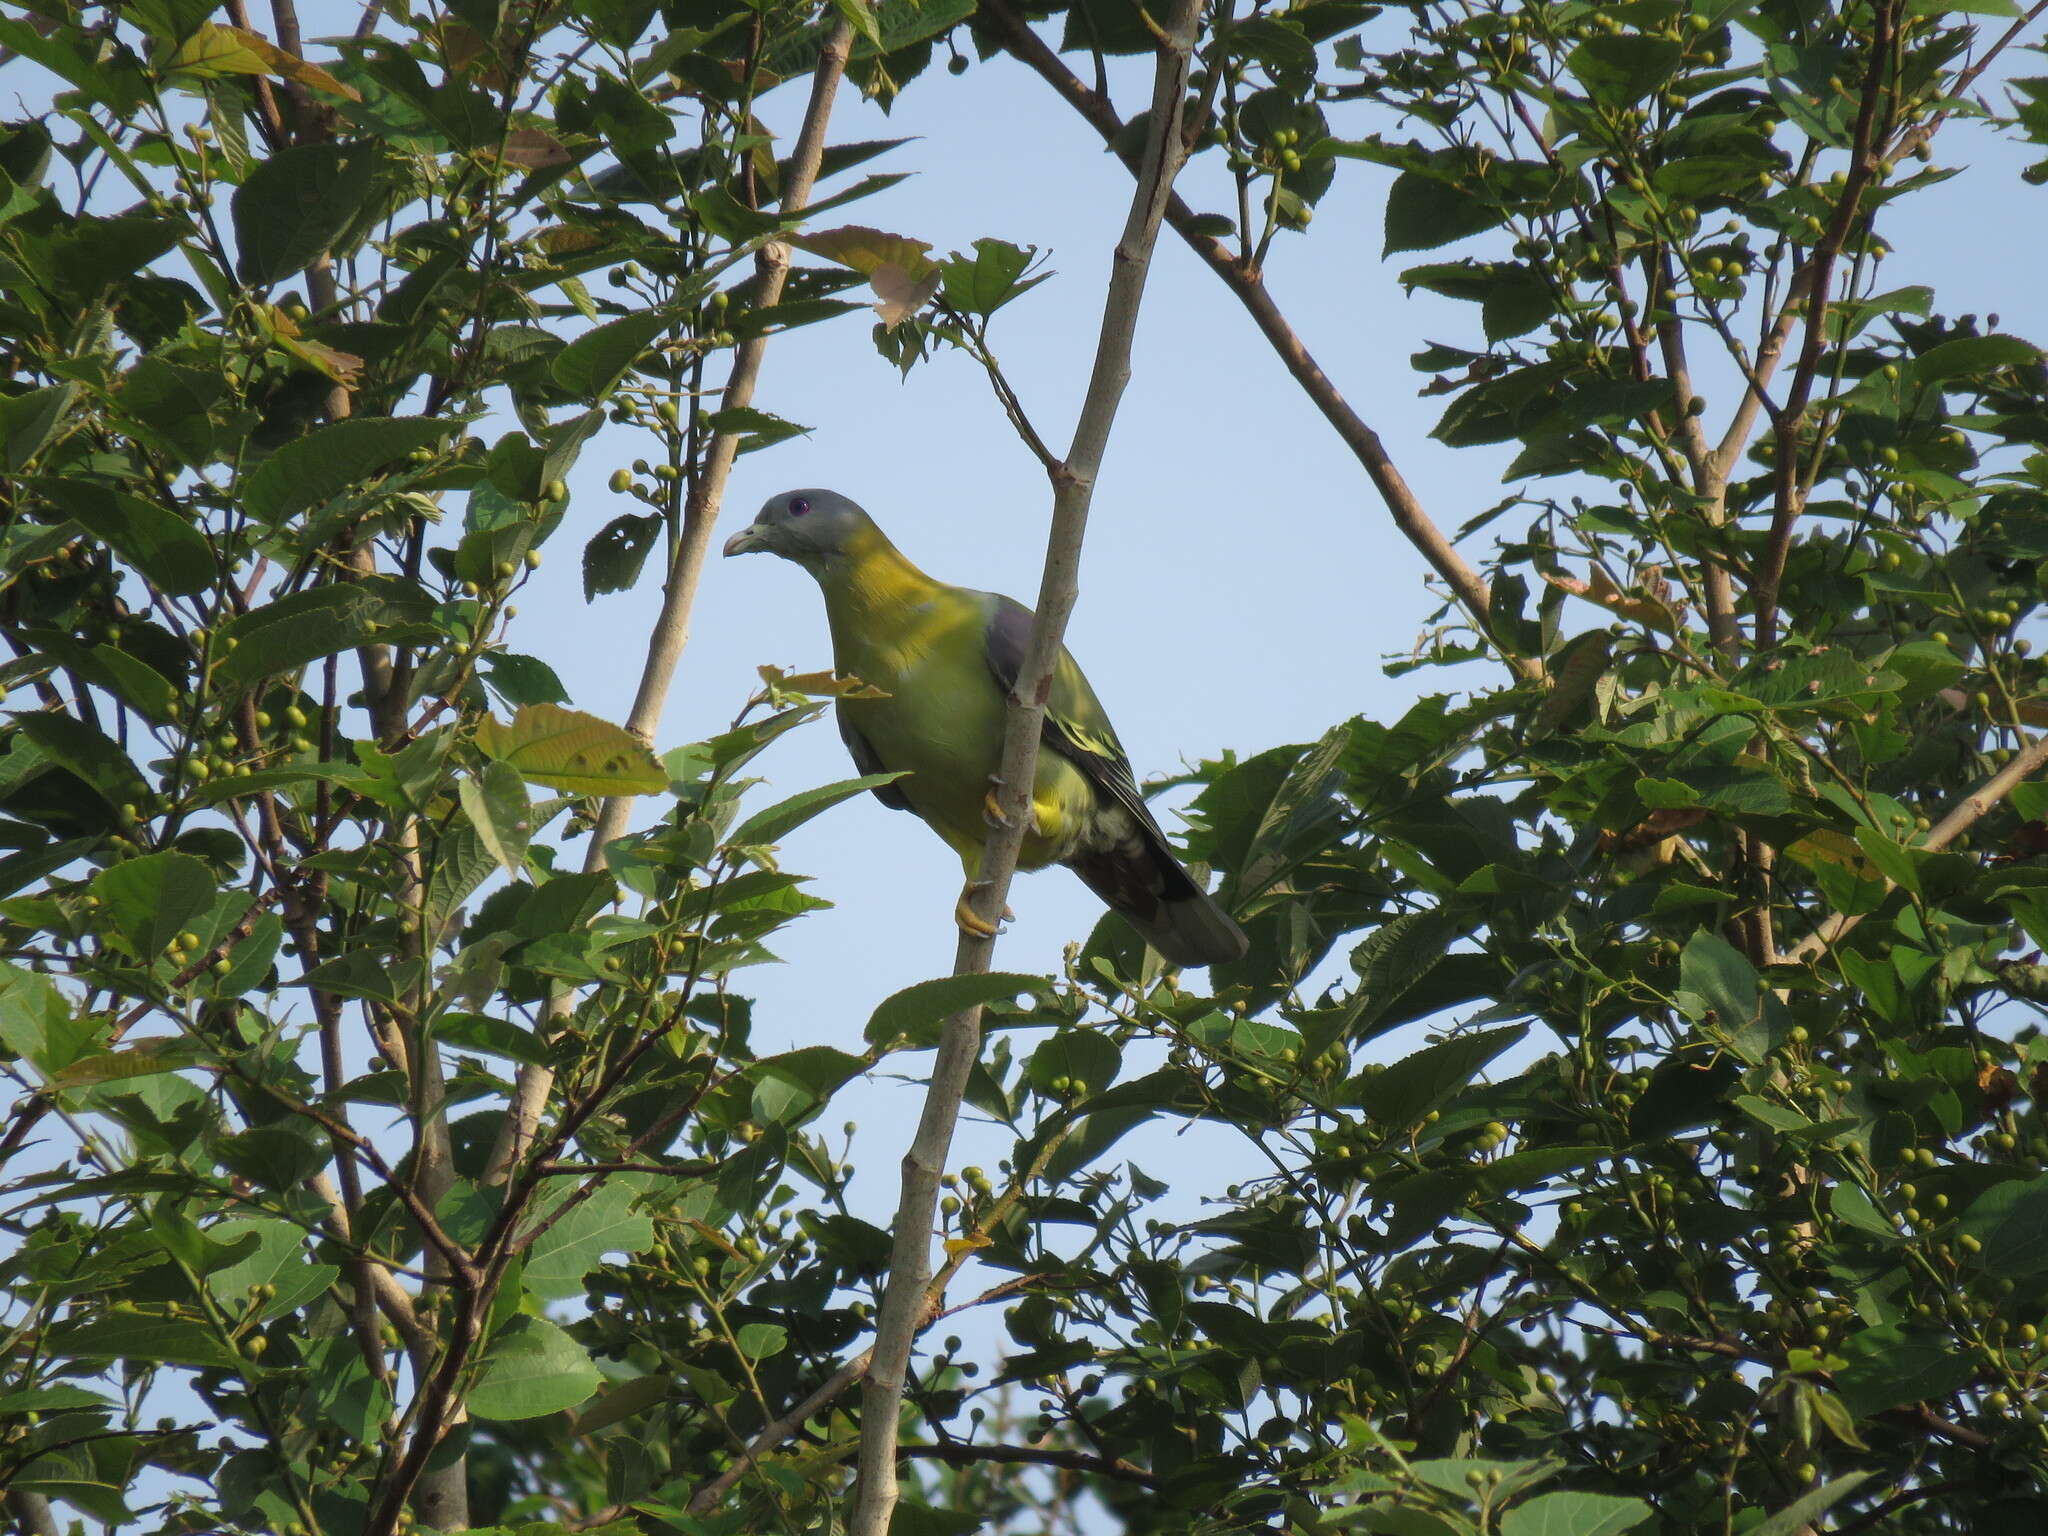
pixel 947 658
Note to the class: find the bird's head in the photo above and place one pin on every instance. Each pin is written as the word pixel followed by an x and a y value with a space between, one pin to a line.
pixel 814 528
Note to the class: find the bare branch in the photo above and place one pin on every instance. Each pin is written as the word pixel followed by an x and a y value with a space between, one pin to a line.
pixel 706 1498
pixel 1820 270
pixel 959 1453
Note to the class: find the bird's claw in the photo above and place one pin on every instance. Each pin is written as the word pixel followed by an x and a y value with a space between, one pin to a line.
pixel 992 809
pixel 971 921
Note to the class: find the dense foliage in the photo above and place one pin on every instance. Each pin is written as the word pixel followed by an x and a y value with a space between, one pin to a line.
pixel 1705 1189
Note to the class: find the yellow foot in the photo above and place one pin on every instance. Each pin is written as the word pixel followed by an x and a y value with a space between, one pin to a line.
pixel 992 808
pixel 971 921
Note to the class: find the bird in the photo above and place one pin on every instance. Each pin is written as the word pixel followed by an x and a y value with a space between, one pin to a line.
pixel 945 659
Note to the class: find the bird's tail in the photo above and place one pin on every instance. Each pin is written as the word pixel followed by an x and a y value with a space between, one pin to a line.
pixel 1150 891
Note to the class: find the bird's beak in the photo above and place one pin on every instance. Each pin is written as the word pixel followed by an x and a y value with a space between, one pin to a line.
pixel 746 540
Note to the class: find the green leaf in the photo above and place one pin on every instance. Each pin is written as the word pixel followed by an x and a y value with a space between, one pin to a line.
pixel 785 816
pixel 1798 1515
pixel 790 1087
pixel 623 1401
pixel 592 365
pixel 912 1017
pixel 29 420
pixel 277 1257
pixel 761 1341
pixel 1395 958
pixel 145 1058
pixel 569 750
pixel 1573 1514
pixel 1424 212
pixel 310 471
pixel 1412 1087
pixel 985 282
pixel 2011 1221
pixel 1888 1366
pixel 754 428
pixel 88 752
pixel 1852 1205
pixel 38 1023
pixel 616 552
pixel 1074 1061
pixel 1714 977
pixel 296 204
pixel 1939 8
pixel 496 804
pixel 53 1397
pixel 166 549
pixel 139 1338
pixel 140 685
pixel 862 16
pixel 531 1368
pixel 283 636
pixel 1620 70
pixel 522 680
pixel 575 1245
pixel 148 901
pixel 1969 356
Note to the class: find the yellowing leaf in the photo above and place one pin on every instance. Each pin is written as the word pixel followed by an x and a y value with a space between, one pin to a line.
pixel 533 150
pixel 343 367
pixel 1827 846
pixel 569 750
pixel 819 685
pixel 214 51
pixel 567 239
pixel 959 1247
pixel 865 249
pixel 1635 606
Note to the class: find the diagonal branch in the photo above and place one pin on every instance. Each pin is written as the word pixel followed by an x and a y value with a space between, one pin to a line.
pixel 959 1046
pixel 1246 280
pixel 1973 808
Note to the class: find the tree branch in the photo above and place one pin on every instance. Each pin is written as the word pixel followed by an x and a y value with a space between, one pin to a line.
pixel 1973 808
pixel 905 1299
pixel 1244 279
pixel 706 1498
pixel 671 632
pixel 1820 270
pixel 959 1453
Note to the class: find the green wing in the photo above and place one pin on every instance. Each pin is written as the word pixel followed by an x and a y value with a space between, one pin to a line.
pixel 1076 725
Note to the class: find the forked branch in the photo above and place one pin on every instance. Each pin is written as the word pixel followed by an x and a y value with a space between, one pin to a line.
pixel 1245 279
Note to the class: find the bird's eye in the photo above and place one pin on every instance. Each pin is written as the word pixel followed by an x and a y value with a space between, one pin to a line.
pixel 798 506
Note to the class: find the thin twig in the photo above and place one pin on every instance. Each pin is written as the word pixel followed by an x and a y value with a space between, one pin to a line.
pixel 1974 806
pixel 960 1453
pixel 1244 279
pixel 706 1498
